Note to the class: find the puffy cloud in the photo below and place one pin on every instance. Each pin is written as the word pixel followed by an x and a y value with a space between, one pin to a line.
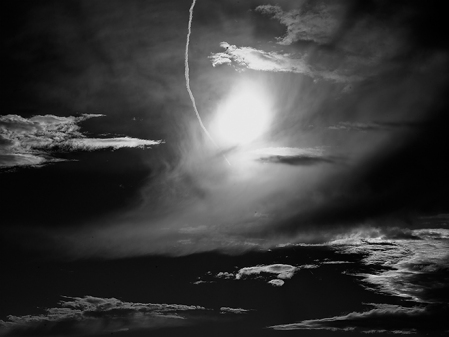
pixel 283 271
pixel 89 315
pixel 29 142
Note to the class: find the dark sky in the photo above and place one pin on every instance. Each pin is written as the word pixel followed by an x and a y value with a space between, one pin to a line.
pixel 315 198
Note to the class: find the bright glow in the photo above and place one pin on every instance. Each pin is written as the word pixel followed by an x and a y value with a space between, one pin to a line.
pixel 243 116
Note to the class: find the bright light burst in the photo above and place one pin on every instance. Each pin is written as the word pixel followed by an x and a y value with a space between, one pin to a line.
pixel 243 116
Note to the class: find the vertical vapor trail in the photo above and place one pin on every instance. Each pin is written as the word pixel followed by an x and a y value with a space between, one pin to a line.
pixel 192 98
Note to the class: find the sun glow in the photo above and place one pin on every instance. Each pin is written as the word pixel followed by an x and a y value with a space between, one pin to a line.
pixel 243 116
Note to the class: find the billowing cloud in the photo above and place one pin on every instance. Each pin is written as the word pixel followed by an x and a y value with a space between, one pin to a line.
pixel 90 315
pixel 30 142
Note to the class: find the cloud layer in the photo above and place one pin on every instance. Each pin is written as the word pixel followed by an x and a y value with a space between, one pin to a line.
pixel 30 142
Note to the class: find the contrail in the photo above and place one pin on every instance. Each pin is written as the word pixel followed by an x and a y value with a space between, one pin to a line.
pixel 192 98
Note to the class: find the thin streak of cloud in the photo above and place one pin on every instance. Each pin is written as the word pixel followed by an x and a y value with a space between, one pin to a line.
pixel 293 156
pixel 383 318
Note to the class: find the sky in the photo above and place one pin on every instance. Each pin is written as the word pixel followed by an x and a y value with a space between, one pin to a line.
pixel 224 167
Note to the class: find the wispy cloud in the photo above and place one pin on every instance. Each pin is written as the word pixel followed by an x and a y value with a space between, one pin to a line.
pixel 30 142
pixel 312 23
pixel 89 315
pixel 383 318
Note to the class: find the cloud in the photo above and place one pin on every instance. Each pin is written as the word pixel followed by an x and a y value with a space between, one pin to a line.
pixel 293 156
pixel 233 310
pixel 276 283
pixel 373 126
pixel 255 59
pixel 314 22
pixel 30 142
pixel 383 318
pixel 90 315
pixel 282 271
pixel 411 265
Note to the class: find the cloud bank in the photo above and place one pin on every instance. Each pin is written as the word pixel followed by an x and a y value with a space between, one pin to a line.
pixel 32 141
pixel 91 315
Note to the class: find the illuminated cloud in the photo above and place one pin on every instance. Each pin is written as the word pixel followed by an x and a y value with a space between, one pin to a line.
pixel 255 59
pixel 316 23
pixel 282 271
pixel 29 142
pixel 90 315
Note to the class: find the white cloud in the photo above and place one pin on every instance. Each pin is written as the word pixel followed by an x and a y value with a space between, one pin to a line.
pixel 28 142
pixel 282 271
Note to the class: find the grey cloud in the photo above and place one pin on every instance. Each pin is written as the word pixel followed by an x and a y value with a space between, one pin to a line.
pixel 90 315
pixel 29 142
